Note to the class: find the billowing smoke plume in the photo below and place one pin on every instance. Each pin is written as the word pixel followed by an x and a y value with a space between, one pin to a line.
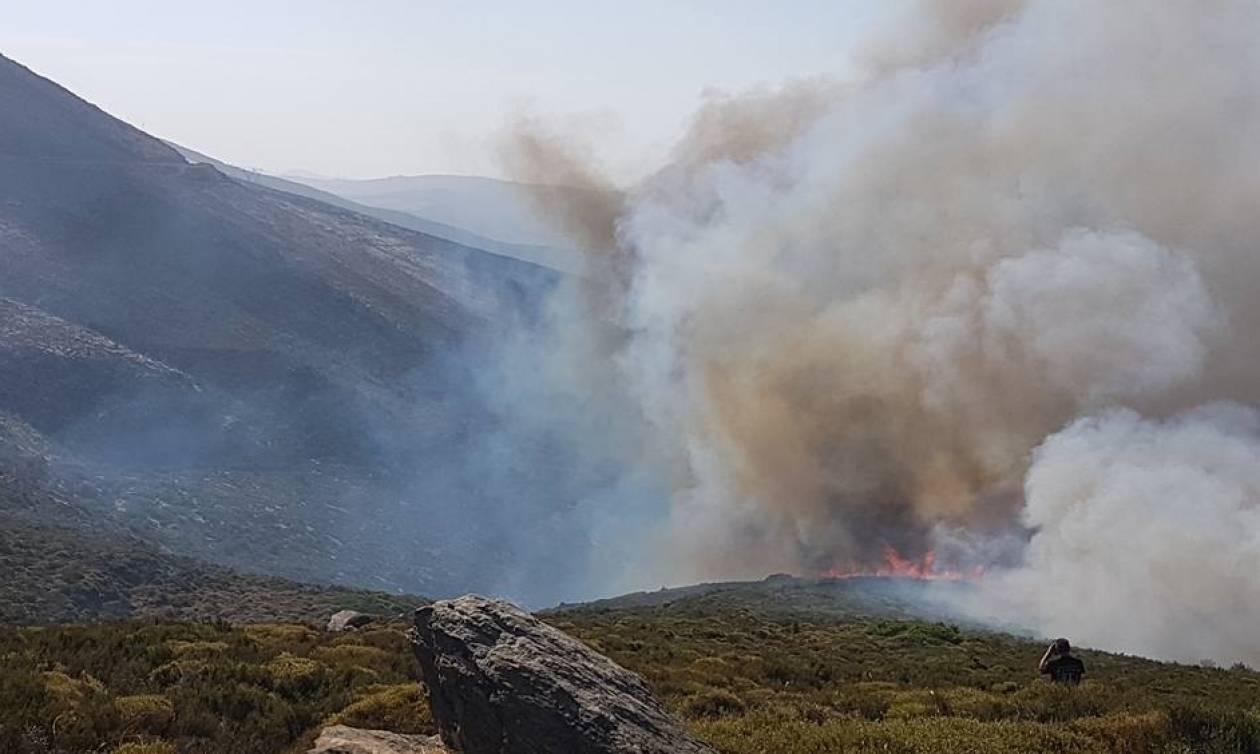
pixel 846 314
pixel 1147 535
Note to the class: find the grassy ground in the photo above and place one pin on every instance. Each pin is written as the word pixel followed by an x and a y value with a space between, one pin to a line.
pixel 751 682
pixel 746 679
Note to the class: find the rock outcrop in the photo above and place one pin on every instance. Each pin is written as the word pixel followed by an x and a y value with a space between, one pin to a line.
pixel 343 620
pixel 502 682
pixel 340 739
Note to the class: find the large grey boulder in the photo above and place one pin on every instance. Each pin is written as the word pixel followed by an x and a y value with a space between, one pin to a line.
pixel 341 739
pixel 502 682
pixel 344 620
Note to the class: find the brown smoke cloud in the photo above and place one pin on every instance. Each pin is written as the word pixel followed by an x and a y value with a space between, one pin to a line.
pixel 938 31
pixel 741 128
pixel 566 183
pixel 851 312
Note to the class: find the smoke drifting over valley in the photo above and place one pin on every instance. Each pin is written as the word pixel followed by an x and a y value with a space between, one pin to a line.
pixel 994 300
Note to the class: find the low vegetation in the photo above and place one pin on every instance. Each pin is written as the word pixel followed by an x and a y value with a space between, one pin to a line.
pixel 153 687
pixel 750 681
pixel 85 569
pixel 56 575
pixel 804 683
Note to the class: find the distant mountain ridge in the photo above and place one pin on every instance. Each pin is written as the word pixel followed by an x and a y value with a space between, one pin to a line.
pixel 490 207
pixel 508 211
pixel 556 256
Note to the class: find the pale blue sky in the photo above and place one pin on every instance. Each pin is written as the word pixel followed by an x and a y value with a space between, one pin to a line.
pixel 361 88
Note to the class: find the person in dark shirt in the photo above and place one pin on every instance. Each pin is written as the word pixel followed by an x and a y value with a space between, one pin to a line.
pixel 1060 665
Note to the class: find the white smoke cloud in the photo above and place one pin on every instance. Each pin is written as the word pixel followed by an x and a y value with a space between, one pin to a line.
pixel 1147 536
pixel 1103 316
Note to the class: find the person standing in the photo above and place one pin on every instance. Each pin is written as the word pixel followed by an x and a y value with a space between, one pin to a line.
pixel 1060 665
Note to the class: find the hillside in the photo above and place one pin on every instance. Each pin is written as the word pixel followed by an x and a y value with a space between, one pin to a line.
pixel 748 680
pixel 236 374
pixel 58 575
pixel 84 569
pixel 868 596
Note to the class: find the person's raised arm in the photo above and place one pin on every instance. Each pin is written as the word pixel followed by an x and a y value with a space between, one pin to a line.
pixel 1051 651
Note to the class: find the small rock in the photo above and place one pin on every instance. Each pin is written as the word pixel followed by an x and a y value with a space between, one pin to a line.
pixel 347 619
pixel 502 682
pixel 340 739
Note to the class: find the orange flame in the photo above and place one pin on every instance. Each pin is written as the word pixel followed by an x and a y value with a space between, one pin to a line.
pixel 896 566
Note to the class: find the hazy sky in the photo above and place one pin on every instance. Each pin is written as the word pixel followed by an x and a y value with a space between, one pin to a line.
pixel 361 88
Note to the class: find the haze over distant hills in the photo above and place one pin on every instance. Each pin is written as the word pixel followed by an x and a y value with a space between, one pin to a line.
pixel 506 211
pixel 240 374
pixel 519 221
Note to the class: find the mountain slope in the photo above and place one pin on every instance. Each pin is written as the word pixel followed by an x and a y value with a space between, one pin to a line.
pixel 53 125
pixel 238 374
pixel 58 575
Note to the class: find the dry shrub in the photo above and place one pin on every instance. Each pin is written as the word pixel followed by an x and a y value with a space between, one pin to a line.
pixel 713 703
pixel 196 649
pixel 355 656
pixel 150 713
pixel 145 747
pixel 402 708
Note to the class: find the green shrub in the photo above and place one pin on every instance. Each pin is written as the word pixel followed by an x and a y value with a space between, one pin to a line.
pixel 865 700
pixel 1056 702
pixel 1127 733
pixel 979 705
pixel 906 709
pixel 197 649
pixel 351 656
pixel 1215 729
pixel 282 636
pixel 713 703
